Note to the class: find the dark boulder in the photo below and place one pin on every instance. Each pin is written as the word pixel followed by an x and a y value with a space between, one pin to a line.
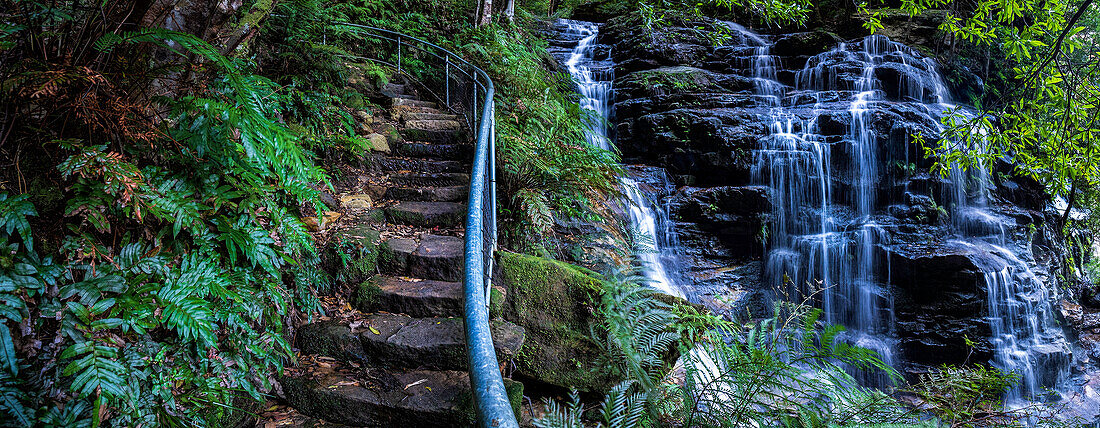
pixel 940 301
pixel 796 48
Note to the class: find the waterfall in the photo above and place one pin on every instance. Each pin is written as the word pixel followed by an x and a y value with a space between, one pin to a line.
pixel 830 254
pixel 825 159
pixel 826 240
pixel 652 236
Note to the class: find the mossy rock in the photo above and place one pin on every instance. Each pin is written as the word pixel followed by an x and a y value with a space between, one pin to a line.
pixel 678 80
pixel 555 303
pixel 353 256
pixel 367 296
pixel 393 136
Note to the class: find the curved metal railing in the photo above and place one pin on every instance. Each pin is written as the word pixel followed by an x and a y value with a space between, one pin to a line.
pixel 465 89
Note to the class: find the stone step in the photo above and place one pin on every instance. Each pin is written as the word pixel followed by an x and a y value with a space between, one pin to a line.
pixel 418 297
pixel 430 179
pixel 391 163
pixel 458 152
pixel 429 194
pixel 371 397
pixel 433 257
pixel 283 416
pixel 400 113
pixel 400 341
pixel 406 102
pixel 427 214
pixel 411 296
pixel 433 125
pixel 411 116
pixel 440 136
pixel 393 90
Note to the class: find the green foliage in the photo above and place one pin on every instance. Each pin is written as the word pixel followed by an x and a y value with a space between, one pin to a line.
pixel 545 162
pixel 1046 121
pixel 957 394
pixel 769 12
pixel 166 278
pixel 640 330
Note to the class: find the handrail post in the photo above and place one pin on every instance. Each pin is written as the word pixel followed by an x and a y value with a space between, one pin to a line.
pixel 447 79
pixel 398 54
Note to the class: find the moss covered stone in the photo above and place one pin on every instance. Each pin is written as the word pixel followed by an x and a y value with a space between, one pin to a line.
pixel 555 304
pixel 496 302
pixel 354 254
pixel 367 296
pixel 678 80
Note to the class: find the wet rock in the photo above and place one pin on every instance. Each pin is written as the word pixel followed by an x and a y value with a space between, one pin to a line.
pixel 713 145
pixel 736 215
pixel 373 397
pixel 796 48
pixel 393 340
pixel 939 300
pixel 678 79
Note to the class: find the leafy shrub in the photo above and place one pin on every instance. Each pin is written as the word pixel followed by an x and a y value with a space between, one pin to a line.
pixel 546 165
pixel 158 293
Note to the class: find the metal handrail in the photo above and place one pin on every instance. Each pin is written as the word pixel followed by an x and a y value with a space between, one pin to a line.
pixel 490 397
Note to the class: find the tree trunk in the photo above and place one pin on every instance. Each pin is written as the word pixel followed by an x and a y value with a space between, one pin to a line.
pixel 485 15
pixel 247 27
pixel 510 10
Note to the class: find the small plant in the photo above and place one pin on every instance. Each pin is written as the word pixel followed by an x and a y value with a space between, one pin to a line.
pixel 905 169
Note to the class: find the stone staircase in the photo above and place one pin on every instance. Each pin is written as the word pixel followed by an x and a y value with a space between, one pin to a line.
pixel 395 356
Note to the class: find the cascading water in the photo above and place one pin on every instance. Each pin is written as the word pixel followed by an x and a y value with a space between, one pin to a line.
pixel 812 239
pixel 825 158
pixel 593 80
pixel 825 241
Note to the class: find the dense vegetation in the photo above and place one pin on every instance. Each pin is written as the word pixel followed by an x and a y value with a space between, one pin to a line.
pixel 156 182
pixel 156 175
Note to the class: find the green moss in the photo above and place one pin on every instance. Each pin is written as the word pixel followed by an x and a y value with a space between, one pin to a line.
pixel 555 303
pixel 515 396
pixel 666 80
pixel 355 254
pixel 260 10
pixel 375 215
pixel 389 260
pixel 366 296
pixel 496 302
pixel 393 136
pixel 355 101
